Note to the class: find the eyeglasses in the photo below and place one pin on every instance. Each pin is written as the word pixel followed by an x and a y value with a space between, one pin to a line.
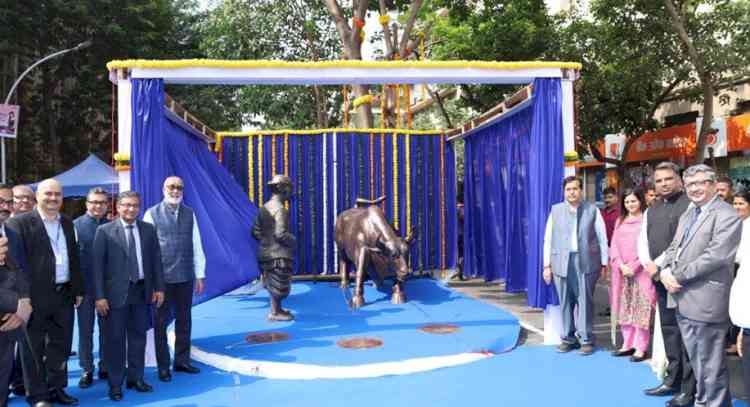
pixel 129 205
pixel 26 198
pixel 97 202
pixel 695 184
pixel 175 187
pixel 6 202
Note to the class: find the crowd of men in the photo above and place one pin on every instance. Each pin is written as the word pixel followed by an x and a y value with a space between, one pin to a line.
pixel 115 274
pixel 683 248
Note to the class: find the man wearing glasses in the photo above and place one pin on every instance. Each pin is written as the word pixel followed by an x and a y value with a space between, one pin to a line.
pixel 184 267
pixel 23 199
pixel 86 225
pixel 699 266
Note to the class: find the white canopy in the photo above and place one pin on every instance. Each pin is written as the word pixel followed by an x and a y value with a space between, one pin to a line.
pixel 219 72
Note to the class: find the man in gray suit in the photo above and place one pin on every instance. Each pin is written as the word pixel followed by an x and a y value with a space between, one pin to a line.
pixel 575 253
pixel 698 275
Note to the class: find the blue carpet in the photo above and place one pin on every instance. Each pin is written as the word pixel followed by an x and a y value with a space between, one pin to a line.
pixel 323 318
pixel 527 376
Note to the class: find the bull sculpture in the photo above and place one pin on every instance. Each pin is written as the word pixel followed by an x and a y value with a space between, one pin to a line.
pixel 364 236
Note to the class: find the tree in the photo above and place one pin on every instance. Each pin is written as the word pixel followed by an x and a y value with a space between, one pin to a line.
pixel 633 61
pixel 66 102
pixel 291 30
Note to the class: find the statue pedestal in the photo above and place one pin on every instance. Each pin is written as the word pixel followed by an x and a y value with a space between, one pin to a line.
pixel 552 325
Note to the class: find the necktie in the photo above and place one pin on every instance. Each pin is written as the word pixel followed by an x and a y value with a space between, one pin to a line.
pixel 132 256
pixel 689 226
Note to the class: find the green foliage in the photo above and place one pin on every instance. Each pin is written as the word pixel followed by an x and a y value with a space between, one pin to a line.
pixel 295 30
pixel 495 30
pixel 66 102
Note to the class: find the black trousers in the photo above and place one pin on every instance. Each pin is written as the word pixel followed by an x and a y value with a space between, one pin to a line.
pixel 125 338
pixel 178 299
pixel 51 333
pixel 7 346
pixel 679 372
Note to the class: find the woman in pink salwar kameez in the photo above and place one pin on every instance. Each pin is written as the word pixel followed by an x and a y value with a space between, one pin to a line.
pixel 632 293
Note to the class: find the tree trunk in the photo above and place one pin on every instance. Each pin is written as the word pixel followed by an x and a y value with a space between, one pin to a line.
pixel 698 62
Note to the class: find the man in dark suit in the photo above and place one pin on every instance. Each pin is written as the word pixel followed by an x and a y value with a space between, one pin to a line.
pixel 56 288
pixel 128 276
pixel 698 275
pixel 15 310
pixel 86 225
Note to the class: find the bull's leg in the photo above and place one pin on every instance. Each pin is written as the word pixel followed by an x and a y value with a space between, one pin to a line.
pixel 342 271
pixel 358 299
pixel 399 296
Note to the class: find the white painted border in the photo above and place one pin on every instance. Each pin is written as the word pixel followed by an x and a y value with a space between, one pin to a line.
pixel 343 75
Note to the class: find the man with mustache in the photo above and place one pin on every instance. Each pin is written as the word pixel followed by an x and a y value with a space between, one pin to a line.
pixel 184 267
pixel 23 199
pixel 56 288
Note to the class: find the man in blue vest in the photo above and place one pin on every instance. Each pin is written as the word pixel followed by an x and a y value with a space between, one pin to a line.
pixel 86 225
pixel 575 253
pixel 184 267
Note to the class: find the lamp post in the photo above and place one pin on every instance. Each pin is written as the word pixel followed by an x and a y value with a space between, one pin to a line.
pixel 78 47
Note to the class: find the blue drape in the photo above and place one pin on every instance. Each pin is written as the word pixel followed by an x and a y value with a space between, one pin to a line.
pixel 363 168
pixel 513 172
pixel 161 147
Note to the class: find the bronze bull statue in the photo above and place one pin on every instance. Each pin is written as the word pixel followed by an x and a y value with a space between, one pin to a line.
pixel 364 236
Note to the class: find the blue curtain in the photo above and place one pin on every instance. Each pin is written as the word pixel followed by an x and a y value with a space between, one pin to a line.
pixel 513 171
pixel 161 147
pixel 364 167
pixel 546 169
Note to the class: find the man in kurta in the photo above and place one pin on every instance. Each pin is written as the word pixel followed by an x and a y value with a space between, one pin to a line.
pixel 575 253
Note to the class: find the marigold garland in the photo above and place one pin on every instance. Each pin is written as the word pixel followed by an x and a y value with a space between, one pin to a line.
pixel 372 165
pixel 273 156
pixel 122 156
pixel 250 169
pixel 122 167
pixel 384 19
pixel 362 100
pixel 358 22
pixel 382 167
pixel 286 154
pixel 320 132
pixel 442 204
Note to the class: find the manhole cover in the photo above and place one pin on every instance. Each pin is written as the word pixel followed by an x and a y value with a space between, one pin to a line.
pixel 360 343
pixel 440 329
pixel 267 337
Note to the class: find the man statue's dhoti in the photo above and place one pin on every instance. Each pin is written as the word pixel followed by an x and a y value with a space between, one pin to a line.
pixel 276 246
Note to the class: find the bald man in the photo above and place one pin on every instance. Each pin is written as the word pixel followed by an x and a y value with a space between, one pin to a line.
pixel 56 288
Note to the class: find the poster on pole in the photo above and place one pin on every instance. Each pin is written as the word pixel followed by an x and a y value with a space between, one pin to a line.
pixel 716 140
pixel 9 120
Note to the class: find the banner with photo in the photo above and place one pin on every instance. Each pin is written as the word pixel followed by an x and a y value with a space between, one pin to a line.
pixel 9 120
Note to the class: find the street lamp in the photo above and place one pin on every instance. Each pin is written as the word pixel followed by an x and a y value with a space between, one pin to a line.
pixel 78 47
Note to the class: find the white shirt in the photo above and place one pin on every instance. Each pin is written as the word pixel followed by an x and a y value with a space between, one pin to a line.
pixel 199 258
pixel 137 238
pixel 739 298
pixel 599 227
pixel 644 255
pixel 59 246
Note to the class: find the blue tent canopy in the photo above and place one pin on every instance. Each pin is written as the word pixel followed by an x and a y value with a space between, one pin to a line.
pixel 90 173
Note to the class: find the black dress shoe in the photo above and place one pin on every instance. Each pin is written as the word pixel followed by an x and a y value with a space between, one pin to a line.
pixel 103 375
pixel 18 390
pixel 59 396
pixel 42 403
pixel 140 386
pixel 681 400
pixel 87 379
pixel 187 369
pixel 164 375
pixel 115 393
pixel 637 359
pixel 620 352
pixel 660 390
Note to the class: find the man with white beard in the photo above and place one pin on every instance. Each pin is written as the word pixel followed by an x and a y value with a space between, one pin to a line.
pixel 184 266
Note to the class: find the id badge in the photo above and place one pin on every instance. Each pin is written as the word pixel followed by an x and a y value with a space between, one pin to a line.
pixel 58 259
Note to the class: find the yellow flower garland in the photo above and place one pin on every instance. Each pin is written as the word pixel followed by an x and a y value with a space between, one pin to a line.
pixel 362 100
pixel 384 19
pixel 394 148
pixel 335 64
pixel 320 132
pixel 122 156
pixel 250 166
pixel 571 155
pixel 407 178
pixel 260 170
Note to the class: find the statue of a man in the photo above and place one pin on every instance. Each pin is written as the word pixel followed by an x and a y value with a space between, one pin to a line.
pixel 277 245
